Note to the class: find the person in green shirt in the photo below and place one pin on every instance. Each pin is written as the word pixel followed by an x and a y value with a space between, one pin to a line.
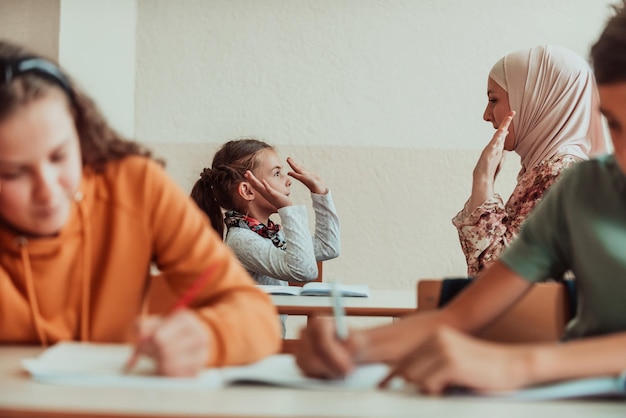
pixel 580 225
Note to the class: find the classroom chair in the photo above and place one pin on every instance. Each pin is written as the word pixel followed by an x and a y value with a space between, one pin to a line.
pixel 540 316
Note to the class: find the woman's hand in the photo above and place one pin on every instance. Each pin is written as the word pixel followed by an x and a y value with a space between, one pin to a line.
pixel 489 164
pixel 276 198
pixel 179 343
pixel 311 180
pixel 321 354
pixel 452 359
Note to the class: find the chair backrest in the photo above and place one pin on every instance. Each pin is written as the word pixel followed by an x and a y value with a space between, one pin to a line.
pixel 540 316
pixel 161 298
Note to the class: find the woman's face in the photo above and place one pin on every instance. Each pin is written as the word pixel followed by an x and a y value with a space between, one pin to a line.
pixel 497 109
pixel 40 166
pixel 613 107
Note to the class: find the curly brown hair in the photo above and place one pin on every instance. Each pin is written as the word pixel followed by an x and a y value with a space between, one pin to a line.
pixel 216 188
pixel 99 143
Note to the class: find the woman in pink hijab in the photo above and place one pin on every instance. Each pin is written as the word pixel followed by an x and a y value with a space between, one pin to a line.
pixel 556 123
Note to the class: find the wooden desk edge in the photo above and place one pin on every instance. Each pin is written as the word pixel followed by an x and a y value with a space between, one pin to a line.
pixel 15 413
pixel 350 311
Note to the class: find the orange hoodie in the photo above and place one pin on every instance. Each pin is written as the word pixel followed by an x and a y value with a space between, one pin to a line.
pixel 89 282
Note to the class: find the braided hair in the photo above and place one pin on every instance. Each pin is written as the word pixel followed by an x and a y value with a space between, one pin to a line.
pixel 217 186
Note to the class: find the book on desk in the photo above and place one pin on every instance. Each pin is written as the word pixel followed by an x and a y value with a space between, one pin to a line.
pixel 318 289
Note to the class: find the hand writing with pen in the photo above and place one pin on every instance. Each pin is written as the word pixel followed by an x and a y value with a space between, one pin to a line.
pixel 178 342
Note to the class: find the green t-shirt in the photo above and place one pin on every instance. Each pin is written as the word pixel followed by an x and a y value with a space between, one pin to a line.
pixel 580 225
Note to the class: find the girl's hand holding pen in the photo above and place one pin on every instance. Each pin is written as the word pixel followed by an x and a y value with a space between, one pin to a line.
pixel 322 354
pixel 177 342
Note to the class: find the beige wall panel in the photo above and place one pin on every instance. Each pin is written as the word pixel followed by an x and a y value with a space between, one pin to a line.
pixel 32 23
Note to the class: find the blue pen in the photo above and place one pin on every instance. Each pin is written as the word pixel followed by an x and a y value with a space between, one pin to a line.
pixel 339 314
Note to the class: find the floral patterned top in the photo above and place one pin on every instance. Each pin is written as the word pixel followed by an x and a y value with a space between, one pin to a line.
pixel 488 229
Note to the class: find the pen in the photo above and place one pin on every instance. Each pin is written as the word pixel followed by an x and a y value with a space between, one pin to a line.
pixel 341 327
pixel 183 302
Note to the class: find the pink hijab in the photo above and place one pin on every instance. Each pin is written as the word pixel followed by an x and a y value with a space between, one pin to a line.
pixel 556 99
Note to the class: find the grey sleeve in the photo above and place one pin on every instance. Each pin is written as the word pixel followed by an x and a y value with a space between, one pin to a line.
pixel 327 240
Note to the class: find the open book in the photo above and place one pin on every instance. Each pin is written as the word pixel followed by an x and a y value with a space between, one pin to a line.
pixel 318 289
pixel 100 365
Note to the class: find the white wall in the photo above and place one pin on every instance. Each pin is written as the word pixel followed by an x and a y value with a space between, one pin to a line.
pixel 97 47
pixel 403 73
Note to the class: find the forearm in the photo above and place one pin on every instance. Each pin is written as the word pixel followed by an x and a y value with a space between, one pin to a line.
pixel 594 356
pixel 243 327
pixel 327 242
pixel 392 342
pixel 298 261
pixel 482 190
pixel 483 301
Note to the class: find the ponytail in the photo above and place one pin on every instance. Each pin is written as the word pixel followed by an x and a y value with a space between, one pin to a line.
pixel 202 193
pixel 216 189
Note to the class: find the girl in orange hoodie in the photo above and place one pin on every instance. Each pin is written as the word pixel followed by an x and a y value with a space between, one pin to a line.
pixel 84 213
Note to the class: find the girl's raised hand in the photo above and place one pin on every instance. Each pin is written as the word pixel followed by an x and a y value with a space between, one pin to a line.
pixel 276 198
pixel 311 180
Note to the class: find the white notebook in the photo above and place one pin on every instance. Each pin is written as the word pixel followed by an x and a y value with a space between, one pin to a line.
pixel 318 289
pixel 81 364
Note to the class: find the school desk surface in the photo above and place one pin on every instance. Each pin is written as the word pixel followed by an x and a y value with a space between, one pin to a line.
pixel 21 397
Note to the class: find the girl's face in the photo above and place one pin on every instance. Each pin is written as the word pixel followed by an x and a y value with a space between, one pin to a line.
pixel 40 166
pixel 613 107
pixel 270 169
pixel 497 109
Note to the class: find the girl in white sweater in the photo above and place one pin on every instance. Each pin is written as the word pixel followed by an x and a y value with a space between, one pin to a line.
pixel 244 186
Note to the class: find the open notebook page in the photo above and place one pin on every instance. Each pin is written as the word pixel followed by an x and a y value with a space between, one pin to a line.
pixel 70 363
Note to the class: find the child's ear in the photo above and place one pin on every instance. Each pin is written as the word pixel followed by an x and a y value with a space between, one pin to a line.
pixel 246 191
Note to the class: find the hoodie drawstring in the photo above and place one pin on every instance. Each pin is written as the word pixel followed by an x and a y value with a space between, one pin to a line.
pixel 85 317
pixel 30 289
pixel 85 309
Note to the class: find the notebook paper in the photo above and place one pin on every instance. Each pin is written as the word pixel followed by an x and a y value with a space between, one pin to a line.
pixel 71 363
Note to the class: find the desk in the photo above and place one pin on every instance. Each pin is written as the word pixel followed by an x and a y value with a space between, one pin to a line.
pixel 21 397
pixel 391 303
